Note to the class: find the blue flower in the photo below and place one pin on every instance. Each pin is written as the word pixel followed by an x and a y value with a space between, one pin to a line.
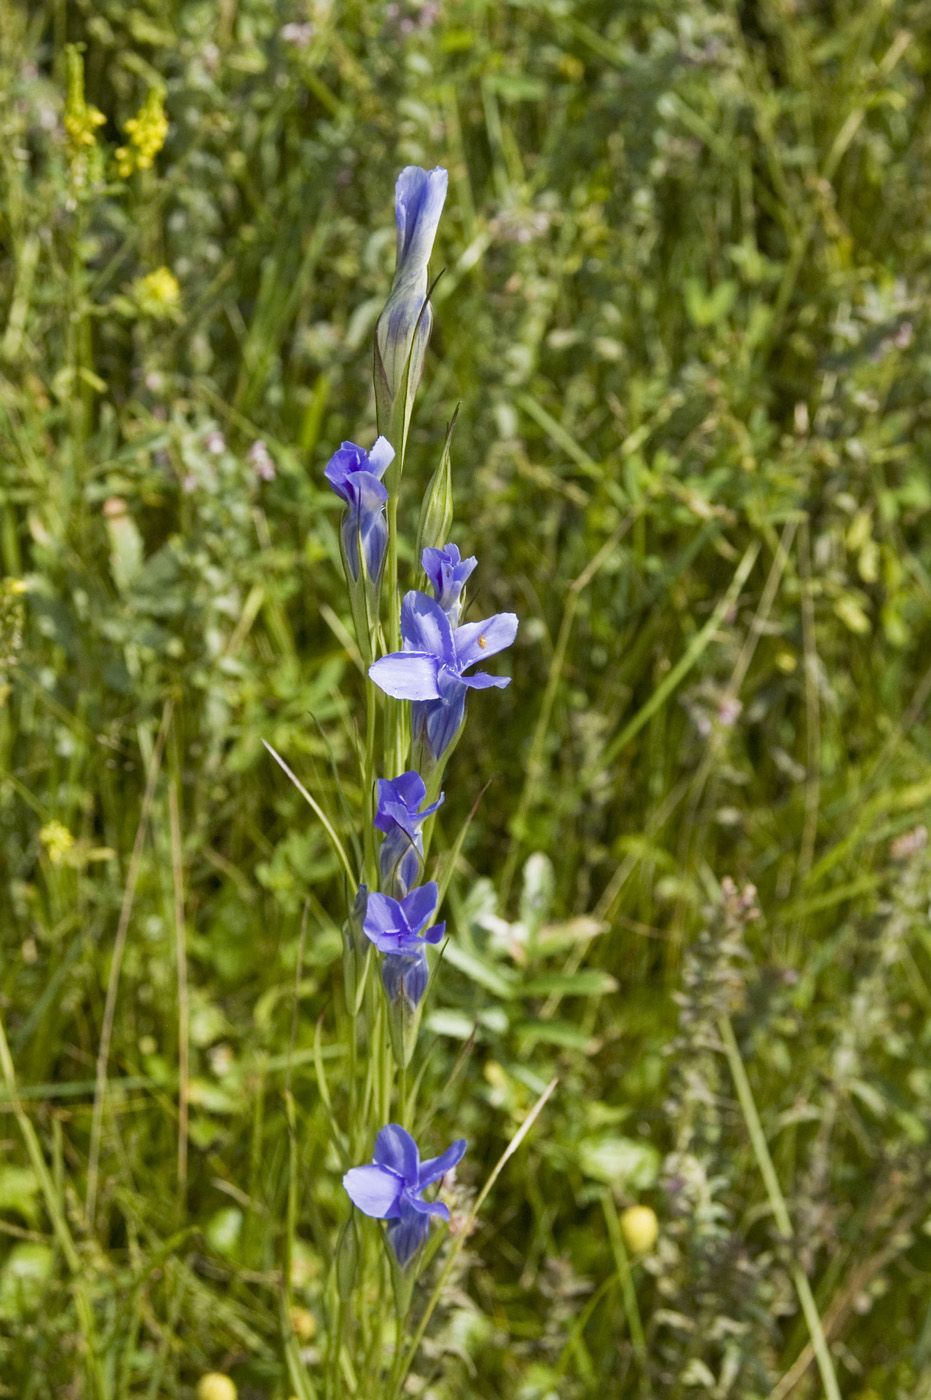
pixel 404 326
pixel 447 573
pixel 430 669
pixel 398 927
pixel 397 815
pixel 355 476
pixel 405 978
pixel 392 1188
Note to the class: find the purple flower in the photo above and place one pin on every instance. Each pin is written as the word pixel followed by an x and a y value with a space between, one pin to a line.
pixel 399 817
pixel 399 926
pixel 404 326
pixel 392 1188
pixel 447 573
pixel 430 669
pixel 354 475
pixel 405 977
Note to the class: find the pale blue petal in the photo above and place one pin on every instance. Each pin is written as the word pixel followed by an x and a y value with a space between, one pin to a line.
pixel 375 1190
pixel 475 641
pixel 407 675
pixel 424 1207
pixel 381 457
pixel 483 681
pixel 435 1167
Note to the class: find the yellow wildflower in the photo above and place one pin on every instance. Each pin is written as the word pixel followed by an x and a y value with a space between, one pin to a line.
pixel 57 840
pixel 81 119
pixel 157 294
pixel 146 132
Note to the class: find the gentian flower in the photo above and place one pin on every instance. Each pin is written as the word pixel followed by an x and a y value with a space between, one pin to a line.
pixel 403 327
pixel 397 815
pixel 398 927
pixel 355 476
pixel 430 669
pixel 406 980
pixel 447 573
pixel 392 1188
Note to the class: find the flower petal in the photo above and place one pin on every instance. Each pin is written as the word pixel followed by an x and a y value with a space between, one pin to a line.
pixel 411 789
pixel 347 460
pixel 475 641
pixel 435 1167
pixel 407 1234
pixel 381 457
pixel 419 196
pixel 420 905
pixel 425 627
pixel 397 1150
pixel 407 675
pixel 375 1190
pixel 434 934
pixel 483 681
pixel 424 1207
pixel 383 915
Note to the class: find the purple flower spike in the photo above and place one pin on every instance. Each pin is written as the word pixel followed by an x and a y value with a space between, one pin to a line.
pixel 355 476
pixel 399 926
pixel 447 573
pixel 392 1188
pixel 399 817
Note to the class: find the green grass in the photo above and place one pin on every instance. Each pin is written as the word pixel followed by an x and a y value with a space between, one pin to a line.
pixel 684 312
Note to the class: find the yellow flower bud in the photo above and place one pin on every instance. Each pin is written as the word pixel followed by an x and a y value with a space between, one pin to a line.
pixel 215 1386
pixel 640 1228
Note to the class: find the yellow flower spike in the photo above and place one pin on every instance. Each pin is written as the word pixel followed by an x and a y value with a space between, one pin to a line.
pixel 81 119
pixel 215 1386
pixel 640 1229
pixel 146 133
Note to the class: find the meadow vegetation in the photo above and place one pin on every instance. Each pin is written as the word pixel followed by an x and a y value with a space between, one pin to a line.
pixel 684 318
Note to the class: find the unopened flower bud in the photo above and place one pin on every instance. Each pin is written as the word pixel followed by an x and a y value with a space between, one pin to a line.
pixel 403 328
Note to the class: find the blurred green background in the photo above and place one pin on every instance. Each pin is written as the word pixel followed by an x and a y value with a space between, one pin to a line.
pixel 684 310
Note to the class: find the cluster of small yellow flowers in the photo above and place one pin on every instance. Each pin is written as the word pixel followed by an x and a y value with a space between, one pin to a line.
pixel 57 840
pixel 81 119
pixel 157 294
pixel 146 132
